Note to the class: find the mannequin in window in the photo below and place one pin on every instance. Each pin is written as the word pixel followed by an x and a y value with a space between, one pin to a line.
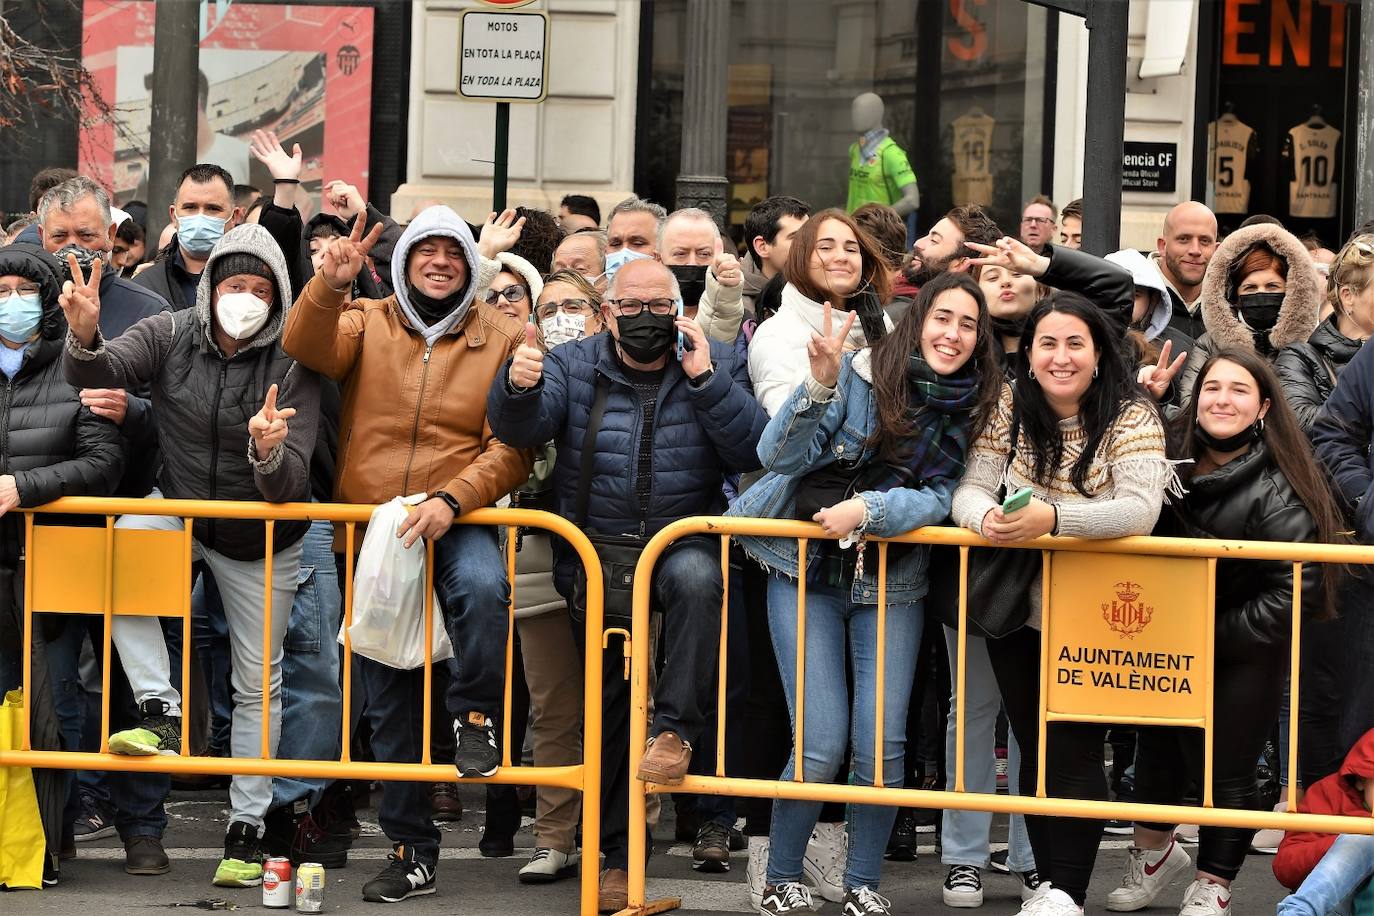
pixel 879 171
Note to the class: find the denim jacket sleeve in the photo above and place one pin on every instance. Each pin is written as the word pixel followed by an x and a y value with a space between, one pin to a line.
pixel 902 509
pixel 798 434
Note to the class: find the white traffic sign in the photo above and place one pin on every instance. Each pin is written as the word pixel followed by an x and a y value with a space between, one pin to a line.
pixel 503 56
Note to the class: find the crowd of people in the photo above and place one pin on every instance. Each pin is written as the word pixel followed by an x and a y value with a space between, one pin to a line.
pixel 629 372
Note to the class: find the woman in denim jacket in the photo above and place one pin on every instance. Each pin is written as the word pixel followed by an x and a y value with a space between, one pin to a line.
pixel 871 444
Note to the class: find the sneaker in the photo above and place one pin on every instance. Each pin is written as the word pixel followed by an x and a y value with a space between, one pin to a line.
pixel 1186 833
pixel 738 841
pixel 790 897
pixel 823 864
pixel 1002 774
pixel 476 754
pixel 998 862
pixel 756 871
pixel 1266 842
pixel 444 804
pixel 548 865
pixel 862 901
pixel 157 733
pixel 242 862
pixel 404 876
pixel 144 855
pixel 1118 827
pixel 1030 883
pixel 711 851
pixel 963 887
pixel 52 871
pixel 901 845
pixel 1051 901
pixel 95 822
pixel 294 832
pixel 1205 898
pixel 1148 871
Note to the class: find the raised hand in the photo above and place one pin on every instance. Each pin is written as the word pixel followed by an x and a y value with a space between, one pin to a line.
pixel 267 149
pixel 499 233
pixel 725 267
pixel 80 301
pixel 1157 378
pixel 697 358
pixel 268 425
pixel 825 350
pixel 527 366
pixel 344 198
pixel 1012 254
pixel 344 256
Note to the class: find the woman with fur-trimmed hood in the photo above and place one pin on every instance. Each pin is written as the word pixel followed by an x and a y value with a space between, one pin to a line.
pixel 1260 293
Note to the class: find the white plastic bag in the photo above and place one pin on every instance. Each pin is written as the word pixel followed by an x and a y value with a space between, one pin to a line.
pixel 388 595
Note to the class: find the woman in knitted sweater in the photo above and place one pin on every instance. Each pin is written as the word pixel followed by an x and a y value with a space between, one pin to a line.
pixel 1090 445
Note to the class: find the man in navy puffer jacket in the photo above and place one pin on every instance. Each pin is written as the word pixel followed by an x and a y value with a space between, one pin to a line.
pixel 671 432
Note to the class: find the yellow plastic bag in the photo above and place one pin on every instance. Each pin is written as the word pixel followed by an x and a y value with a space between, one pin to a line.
pixel 21 831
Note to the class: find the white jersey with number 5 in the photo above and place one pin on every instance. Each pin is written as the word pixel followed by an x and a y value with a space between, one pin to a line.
pixel 1231 139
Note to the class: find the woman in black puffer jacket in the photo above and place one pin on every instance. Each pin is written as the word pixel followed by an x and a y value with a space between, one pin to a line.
pixel 50 446
pixel 1252 477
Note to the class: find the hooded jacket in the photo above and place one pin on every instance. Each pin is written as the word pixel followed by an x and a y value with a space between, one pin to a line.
pixel 1301 850
pixel 1298 315
pixel 1309 370
pixel 414 413
pixel 202 401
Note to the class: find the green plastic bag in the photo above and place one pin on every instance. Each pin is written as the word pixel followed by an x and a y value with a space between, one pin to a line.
pixel 21 831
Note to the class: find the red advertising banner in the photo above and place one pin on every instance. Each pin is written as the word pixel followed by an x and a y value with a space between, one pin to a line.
pixel 281 68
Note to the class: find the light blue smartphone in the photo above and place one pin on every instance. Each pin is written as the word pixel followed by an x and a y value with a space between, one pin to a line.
pixel 681 347
pixel 1017 501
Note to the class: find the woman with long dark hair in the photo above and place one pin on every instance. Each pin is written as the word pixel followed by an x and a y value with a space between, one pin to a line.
pixel 1251 476
pixel 1081 434
pixel 871 444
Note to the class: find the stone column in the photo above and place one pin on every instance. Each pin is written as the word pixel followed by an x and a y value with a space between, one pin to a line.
pixel 701 175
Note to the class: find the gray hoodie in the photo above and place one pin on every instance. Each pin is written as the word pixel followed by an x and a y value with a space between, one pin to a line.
pixel 441 221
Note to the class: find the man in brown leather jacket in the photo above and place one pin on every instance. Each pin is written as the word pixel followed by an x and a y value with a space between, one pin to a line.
pixel 414 369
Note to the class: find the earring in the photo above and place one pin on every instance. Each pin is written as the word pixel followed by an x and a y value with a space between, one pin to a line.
pixel 1030 373
pixel 1094 372
pixel 1259 424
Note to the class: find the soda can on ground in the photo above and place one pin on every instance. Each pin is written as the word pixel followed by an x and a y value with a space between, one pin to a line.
pixel 276 883
pixel 310 888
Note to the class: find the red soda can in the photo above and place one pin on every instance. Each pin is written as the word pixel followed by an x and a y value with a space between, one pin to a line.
pixel 276 882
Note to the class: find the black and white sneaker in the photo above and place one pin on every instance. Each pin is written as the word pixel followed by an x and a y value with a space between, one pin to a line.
pixel 963 887
pixel 477 754
pixel 404 876
pixel 1030 883
pixel 865 901
pixel 998 862
pixel 786 899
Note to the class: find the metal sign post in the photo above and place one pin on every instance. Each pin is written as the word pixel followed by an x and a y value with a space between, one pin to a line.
pixel 503 57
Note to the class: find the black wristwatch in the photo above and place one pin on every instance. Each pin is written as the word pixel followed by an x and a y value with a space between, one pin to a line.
pixel 701 381
pixel 450 502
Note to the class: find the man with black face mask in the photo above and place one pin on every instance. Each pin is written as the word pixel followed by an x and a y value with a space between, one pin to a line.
pixel 670 428
pixel 711 279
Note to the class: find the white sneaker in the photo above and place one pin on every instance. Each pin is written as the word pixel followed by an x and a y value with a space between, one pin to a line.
pixel 1148 871
pixel 826 855
pixel 1267 841
pixel 1186 833
pixel 756 872
pixel 548 865
pixel 1051 901
pixel 963 887
pixel 1205 898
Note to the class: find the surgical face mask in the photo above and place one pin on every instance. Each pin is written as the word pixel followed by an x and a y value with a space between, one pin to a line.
pixel 20 317
pixel 241 315
pixel 562 327
pixel 1260 311
pixel 618 259
pixel 646 336
pixel 198 233
pixel 692 282
pixel 85 258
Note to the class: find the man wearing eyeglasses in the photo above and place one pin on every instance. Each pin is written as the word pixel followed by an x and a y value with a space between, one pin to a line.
pixel 1038 221
pixel 674 422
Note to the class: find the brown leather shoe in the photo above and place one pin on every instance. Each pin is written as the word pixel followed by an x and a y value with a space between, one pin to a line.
pixel 444 803
pixel 614 894
pixel 665 761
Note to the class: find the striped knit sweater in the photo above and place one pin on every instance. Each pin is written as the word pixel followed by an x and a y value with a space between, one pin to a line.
pixel 1126 483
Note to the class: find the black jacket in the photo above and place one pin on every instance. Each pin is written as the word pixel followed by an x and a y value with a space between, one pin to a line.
pixel 1341 436
pixel 1309 370
pixel 168 278
pixel 1187 324
pixel 1249 499
pixel 1106 285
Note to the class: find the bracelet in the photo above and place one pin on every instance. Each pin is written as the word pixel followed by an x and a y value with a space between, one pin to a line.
pixel 1055 530
pixel 286 181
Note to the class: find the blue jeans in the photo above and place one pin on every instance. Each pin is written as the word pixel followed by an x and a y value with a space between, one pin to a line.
pixel 964 834
pixel 831 714
pixel 311 696
pixel 470 577
pixel 1333 884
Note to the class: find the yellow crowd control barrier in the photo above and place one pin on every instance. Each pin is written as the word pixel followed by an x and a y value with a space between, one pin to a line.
pixel 1127 638
pixel 109 571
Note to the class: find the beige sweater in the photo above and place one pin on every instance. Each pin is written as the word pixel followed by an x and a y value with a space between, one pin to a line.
pixel 1126 484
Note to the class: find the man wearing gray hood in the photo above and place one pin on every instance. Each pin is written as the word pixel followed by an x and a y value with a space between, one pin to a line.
pixel 412 368
pixel 223 391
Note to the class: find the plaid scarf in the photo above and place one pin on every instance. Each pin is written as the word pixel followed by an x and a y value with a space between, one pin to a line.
pixel 941 417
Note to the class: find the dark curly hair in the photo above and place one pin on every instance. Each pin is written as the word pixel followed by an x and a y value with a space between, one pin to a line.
pixel 539 239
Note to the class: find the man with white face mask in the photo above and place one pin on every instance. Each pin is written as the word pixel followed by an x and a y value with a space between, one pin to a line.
pixel 209 367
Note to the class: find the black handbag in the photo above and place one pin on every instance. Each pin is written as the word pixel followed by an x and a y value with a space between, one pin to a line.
pixel 999 579
pixel 619 553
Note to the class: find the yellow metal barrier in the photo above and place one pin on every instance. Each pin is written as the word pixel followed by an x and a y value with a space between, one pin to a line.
pixel 138 572
pixel 1073 572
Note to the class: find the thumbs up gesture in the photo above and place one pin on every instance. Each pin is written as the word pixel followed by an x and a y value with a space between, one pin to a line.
pixel 268 426
pixel 527 368
pixel 80 301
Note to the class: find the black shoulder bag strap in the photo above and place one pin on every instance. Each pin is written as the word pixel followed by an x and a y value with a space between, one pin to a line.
pixel 584 483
